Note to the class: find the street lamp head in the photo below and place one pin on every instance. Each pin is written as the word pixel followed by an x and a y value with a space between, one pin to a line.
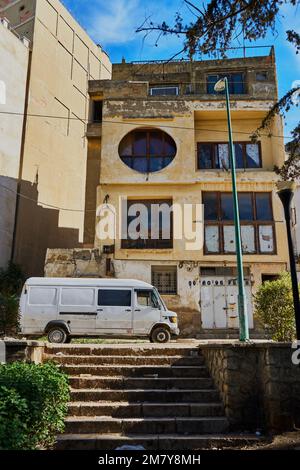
pixel 220 85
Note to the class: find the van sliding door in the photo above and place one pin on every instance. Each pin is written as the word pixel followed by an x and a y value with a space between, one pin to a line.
pixel 78 308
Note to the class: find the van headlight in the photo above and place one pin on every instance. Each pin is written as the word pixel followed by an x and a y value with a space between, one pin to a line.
pixel 173 319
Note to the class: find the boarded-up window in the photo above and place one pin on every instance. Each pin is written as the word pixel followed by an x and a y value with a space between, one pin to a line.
pixel 212 243
pixel 266 240
pixel 256 218
pixel 164 278
pixel 248 238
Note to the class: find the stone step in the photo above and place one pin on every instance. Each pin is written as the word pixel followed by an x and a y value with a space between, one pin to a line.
pixel 129 360
pixel 153 425
pixel 141 396
pixel 155 442
pixel 121 350
pixel 117 383
pixel 139 410
pixel 137 371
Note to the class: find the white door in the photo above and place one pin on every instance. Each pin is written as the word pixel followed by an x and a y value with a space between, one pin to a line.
pixel 219 302
pixel 147 311
pixel 114 311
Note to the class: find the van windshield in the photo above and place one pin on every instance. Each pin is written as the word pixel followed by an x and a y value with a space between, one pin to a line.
pixel 159 299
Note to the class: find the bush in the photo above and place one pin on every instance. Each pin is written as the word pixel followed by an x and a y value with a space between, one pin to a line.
pixel 9 314
pixel 275 309
pixel 11 283
pixel 33 405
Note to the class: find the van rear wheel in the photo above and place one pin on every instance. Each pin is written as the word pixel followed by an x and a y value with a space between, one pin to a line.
pixel 57 335
pixel 160 335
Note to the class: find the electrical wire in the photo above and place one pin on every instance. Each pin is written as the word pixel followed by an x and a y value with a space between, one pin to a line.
pixel 131 123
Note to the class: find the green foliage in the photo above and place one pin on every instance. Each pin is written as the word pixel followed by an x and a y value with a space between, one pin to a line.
pixel 11 279
pixel 275 309
pixel 9 314
pixel 11 283
pixel 33 405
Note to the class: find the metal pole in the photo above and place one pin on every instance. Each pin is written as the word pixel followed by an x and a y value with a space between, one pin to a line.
pixel 286 196
pixel 242 302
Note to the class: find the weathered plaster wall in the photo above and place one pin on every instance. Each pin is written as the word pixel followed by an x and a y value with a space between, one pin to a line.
pixel 184 73
pixel 13 73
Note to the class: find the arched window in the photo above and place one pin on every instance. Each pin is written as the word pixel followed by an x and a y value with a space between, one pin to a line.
pixel 147 150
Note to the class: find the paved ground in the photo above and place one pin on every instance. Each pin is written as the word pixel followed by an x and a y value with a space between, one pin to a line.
pixel 286 441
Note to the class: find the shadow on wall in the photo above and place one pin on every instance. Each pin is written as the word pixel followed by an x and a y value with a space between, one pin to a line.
pixel 7 217
pixel 37 230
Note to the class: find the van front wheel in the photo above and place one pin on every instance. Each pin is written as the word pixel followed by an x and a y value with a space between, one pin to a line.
pixel 160 335
pixel 57 335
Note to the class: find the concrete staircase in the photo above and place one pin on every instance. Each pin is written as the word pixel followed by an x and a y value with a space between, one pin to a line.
pixel 157 396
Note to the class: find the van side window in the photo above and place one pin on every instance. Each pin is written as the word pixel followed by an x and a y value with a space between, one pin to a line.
pixel 78 297
pixel 42 296
pixel 114 298
pixel 146 298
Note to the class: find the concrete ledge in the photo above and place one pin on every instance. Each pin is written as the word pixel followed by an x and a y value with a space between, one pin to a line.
pixel 23 350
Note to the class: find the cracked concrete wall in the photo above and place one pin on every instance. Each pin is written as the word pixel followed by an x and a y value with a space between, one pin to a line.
pixel 74 263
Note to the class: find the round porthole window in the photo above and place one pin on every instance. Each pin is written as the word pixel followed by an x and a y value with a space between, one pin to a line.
pixel 147 150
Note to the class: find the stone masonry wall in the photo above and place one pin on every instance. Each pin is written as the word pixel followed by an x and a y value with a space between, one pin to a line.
pixel 258 383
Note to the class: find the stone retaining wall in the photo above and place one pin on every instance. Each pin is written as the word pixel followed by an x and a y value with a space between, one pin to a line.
pixel 259 384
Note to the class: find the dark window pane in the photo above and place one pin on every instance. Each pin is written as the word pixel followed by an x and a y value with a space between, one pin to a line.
pixel 164 91
pixel 227 206
pixel 170 147
pixel 237 83
pixel 210 202
pixel 245 206
pixel 125 149
pixel 156 143
pixel 127 161
pixel 238 149
pixel 205 156
pixel 211 81
pixel 158 163
pixel 261 76
pixel 140 164
pixel 97 111
pixel 114 298
pixel 252 155
pixel 140 144
pixel 159 219
pixel 135 145
pixel 263 207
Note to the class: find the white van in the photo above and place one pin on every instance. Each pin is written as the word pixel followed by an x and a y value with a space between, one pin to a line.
pixel 67 308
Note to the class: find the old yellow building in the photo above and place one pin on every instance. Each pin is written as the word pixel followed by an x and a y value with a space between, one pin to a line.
pixel 52 173
pixel 160 136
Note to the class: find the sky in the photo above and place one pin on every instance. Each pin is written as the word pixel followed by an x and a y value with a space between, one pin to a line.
pixel 112 23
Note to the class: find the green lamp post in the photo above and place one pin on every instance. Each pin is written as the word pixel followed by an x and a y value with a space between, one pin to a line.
pixel 220 86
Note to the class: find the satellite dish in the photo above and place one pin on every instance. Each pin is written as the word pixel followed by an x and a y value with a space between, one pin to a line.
pixel 220 85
